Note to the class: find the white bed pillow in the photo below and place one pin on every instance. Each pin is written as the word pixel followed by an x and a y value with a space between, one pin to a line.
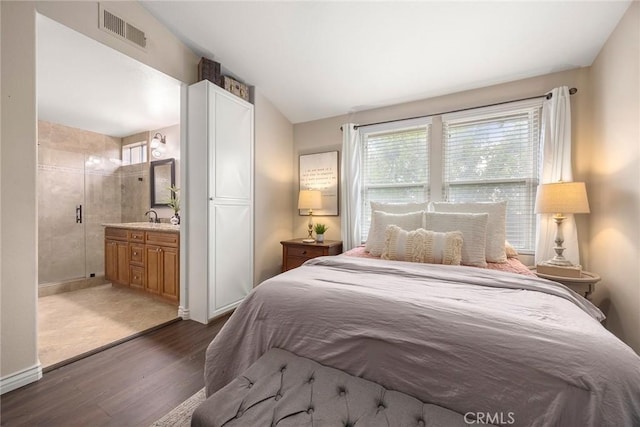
pixel 474 233
pixel 399 208
pixel 496 224
pixel 423 246
pixel 381 220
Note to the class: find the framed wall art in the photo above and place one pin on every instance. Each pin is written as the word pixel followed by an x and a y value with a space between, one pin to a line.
pixel 319 171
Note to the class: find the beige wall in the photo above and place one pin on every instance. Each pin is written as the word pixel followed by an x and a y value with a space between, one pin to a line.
pixel 274 146
pixel 325 135
pixel 614 178
pixel 19 363
pixel 18 359
pixel 273 184
pixel 172 151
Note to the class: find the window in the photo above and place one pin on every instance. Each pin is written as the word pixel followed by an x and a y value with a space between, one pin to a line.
pixel 134 153
pixel 395 165
pixel 488 154
pixel 492 156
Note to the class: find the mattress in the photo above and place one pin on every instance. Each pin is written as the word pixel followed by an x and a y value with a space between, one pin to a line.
pixel 467 339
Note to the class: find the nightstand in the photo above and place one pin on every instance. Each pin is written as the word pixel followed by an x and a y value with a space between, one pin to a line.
pixel 583 285
pixel 295 252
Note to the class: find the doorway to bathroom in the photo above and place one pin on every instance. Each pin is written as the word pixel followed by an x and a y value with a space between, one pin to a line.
pixel 98 113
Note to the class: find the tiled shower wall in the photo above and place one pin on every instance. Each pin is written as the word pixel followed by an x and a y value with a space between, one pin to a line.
pixel 75 167
pixel 135 192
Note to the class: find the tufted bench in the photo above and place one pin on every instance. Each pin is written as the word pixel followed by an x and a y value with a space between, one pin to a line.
pixel 282 389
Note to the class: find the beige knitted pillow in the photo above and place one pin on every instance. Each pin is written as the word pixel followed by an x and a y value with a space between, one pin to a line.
pixel 422 246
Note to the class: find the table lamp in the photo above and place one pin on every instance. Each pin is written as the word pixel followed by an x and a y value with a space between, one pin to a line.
pixel 310 199
pixel 561 198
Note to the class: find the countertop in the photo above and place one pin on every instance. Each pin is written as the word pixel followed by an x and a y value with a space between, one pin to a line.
pixel 149 226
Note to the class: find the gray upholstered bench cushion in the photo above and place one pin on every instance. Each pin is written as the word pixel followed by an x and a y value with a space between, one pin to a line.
pixel 282 389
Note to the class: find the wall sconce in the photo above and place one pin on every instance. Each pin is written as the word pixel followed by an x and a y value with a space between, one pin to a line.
pixel 158 144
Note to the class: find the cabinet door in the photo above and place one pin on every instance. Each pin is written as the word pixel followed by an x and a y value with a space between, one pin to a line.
pixel 122 249
pixel 110 260
pixel 154 269
pixel 170 283
pixel 231 155
pixel 231 256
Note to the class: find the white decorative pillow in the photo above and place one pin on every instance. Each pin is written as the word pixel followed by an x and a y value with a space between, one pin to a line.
pixel 422 246
pixel 381 220
pixel 399 208
pixel 474 233
pixel 496 225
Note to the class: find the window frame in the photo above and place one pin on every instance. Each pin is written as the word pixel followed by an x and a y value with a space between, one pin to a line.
pixel 436 188
pixel 391 127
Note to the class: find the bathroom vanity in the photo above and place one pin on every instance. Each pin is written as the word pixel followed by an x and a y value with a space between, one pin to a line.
pixel 144 256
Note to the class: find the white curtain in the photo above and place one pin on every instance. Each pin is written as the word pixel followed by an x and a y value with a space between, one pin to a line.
pixel 350 194
pixel 556 166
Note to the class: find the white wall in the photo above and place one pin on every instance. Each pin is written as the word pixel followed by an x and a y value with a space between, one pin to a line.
pixel 614 178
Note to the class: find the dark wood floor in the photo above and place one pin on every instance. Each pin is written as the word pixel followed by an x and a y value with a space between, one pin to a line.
pixel 131 384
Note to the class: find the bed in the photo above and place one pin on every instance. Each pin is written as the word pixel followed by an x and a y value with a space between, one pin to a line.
pixel 480 341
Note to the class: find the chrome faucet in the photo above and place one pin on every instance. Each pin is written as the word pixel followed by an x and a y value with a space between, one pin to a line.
pixel 156 220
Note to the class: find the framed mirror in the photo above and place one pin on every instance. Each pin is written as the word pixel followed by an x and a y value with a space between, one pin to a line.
pixel 163 176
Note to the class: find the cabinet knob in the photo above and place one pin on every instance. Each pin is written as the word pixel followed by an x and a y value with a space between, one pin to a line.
pixel 304 252
pixel 135 253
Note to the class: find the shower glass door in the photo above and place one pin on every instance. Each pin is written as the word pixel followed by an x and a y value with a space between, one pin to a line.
pixel 77 193
pixel 61 230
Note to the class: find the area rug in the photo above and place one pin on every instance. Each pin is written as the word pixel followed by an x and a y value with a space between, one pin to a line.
pixel 180 416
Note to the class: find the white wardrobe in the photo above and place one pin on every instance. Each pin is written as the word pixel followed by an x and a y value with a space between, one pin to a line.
pixel 218 201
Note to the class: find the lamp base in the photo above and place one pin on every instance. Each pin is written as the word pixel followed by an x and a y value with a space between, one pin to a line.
pixel 308 241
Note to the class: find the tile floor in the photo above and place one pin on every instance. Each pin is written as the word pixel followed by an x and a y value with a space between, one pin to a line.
pixel 73 323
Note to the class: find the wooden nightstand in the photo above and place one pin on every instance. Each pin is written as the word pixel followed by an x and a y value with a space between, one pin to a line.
pixel 295 252
pixel 583 285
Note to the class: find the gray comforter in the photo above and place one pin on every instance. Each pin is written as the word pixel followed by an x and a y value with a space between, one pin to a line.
pixel 468 339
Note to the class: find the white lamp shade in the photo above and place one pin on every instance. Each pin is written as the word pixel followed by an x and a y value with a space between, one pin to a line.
pixel 310 199
pixel 561 198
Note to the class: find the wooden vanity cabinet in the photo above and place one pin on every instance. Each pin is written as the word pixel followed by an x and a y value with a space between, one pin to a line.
pixel 116 254
pixel 145 260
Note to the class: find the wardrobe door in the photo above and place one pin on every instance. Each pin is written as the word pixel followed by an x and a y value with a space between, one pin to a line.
pixel 232 153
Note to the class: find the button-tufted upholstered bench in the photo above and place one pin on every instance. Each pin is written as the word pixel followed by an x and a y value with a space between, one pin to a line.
pixel 282 389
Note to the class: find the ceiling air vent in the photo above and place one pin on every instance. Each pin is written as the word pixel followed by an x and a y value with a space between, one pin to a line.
pixel 119 27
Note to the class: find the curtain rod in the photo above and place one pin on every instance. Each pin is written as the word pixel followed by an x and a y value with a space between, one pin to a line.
pixel 572 91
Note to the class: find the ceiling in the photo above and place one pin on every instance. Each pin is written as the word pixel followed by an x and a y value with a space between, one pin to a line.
pixel 316 59
pixel 85 84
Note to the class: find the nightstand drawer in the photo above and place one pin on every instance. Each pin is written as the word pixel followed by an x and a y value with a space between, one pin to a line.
pixel 295 262
pixel 305 251
pixel 295 252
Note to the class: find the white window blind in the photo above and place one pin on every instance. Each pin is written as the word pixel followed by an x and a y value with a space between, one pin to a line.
pixel 492 156
pixel 395 167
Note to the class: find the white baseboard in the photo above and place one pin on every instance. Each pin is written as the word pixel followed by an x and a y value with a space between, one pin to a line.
pixel 20 378
pixel 184 313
